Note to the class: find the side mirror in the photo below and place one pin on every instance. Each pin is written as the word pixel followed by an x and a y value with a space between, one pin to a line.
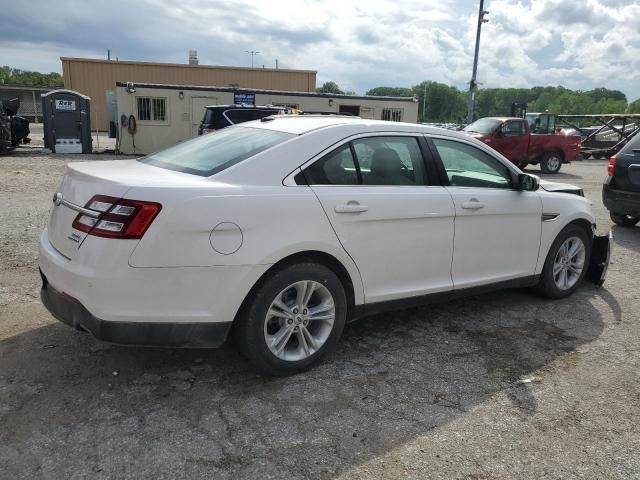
pixel 528 183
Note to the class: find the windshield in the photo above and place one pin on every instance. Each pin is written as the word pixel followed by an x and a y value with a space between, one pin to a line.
pixel 483 126
pixel 213 152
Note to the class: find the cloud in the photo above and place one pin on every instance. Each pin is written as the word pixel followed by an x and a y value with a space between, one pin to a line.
pixel 358 44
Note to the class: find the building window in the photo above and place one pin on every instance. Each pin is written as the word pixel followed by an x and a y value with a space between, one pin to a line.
pixel 152 109
pixel 392 114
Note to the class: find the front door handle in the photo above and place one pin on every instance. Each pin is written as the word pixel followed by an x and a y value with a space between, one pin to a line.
pixel 351 207
pixel 472 204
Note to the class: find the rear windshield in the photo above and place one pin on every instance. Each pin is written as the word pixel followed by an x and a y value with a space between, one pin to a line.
pixel 239 115
pixel 212 153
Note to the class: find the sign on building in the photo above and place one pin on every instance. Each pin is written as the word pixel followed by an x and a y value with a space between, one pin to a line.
pixel 246 98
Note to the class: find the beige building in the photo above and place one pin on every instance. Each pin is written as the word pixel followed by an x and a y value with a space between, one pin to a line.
pixel 94 77
pixel 168 114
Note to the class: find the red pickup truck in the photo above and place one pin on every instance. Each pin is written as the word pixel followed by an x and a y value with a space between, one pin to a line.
pixel 512 138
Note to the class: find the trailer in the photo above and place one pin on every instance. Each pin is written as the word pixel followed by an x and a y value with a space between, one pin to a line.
pixel 605 134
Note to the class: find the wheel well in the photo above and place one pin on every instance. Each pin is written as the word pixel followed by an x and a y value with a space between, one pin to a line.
pixel 314 256
pixel 584 224
pixel 559 152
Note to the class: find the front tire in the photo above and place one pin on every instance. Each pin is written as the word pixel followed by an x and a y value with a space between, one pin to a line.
pixel 624 220
pixel 294 320
pixel 551 163
pixel 566 264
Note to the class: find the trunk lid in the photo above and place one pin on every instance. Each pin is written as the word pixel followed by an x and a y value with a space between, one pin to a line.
pixel 114 178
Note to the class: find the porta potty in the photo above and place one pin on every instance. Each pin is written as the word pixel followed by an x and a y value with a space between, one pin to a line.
pixel 67 121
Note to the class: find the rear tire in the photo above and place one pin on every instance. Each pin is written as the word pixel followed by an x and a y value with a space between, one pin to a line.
pixel 569 253
pixel 551 162
pixel 286 330
pixel 624 220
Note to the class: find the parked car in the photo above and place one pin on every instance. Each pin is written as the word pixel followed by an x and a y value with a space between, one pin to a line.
pixel 512 138
pixel 283 229
pixel 217 117
pixel 621 189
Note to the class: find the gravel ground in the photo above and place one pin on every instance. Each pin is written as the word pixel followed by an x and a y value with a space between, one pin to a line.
pixel 504 385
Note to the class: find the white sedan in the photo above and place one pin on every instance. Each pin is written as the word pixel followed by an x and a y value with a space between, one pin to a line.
pixel 283 229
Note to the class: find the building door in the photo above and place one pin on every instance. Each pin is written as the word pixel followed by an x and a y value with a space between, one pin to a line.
pixel 198 106
pixel 350 109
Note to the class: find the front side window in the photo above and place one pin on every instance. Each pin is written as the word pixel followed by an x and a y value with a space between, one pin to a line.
pixel 512 129
pixel 209 154
pixel 152 108
pixel 468 166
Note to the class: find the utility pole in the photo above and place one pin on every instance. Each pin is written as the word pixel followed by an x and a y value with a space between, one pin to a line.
pixel 473 85
pixel 424 102
pixel 253 53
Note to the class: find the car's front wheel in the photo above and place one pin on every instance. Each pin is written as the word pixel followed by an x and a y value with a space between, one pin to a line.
pixel 624 220
pixel 566 263
pixel 294 320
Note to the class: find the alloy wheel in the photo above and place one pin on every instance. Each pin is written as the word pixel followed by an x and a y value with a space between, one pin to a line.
pixel 569 263
pixel 299 320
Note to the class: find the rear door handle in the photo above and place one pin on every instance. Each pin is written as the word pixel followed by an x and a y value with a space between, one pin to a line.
pixel 472 204
pixel 351 207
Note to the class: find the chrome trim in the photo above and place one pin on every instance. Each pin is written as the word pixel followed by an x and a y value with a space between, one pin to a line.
pixel 549 217
pixel 58 199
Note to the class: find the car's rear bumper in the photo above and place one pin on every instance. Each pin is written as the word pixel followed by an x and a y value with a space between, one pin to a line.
pixel 620 201
pixel 149 334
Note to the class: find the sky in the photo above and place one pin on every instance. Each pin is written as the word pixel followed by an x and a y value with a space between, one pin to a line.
pixel 580 44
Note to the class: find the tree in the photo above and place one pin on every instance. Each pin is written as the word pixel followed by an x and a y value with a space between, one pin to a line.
pixel 390 92
pixel 634 107
pixel 27 78
pixel 330 87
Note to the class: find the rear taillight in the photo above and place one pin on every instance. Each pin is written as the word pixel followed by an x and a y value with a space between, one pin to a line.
pixel 121 218
pixel 207 130
pixel 612 165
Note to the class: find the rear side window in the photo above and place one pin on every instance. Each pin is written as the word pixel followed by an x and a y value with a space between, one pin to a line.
pixel 390 161
pixel 335 168
pixel 381 161
pixel 212 153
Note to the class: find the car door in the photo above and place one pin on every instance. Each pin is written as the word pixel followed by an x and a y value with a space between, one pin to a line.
pixel 397 228
pixel 497 228
pixel 511 140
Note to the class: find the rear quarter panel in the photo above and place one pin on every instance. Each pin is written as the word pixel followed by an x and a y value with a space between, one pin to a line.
pixel 274 221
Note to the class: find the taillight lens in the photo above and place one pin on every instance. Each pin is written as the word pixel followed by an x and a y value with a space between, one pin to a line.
pixel 612 165
pixel 121 217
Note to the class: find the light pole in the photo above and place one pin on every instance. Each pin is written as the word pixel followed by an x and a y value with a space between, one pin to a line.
pixel 253 53
pixel 473 85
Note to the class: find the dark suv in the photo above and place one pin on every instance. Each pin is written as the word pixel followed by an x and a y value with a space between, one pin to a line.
pixel 221 116
pixel 621 190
